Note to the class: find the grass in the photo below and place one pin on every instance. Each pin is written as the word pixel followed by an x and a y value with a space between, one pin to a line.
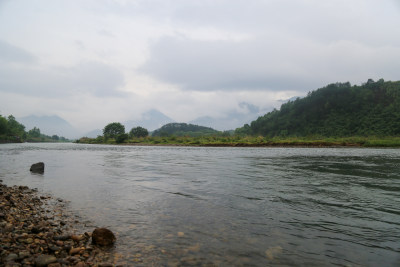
pixel 309 141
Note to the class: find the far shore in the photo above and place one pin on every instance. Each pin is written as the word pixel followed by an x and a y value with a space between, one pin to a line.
pixel 235 141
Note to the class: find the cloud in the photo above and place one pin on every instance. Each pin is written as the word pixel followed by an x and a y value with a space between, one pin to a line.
pixel 93 78
pixel 270 63
pixel 13 54
pixel 216 65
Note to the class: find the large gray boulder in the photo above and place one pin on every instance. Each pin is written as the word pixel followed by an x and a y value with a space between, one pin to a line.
pixel 37 167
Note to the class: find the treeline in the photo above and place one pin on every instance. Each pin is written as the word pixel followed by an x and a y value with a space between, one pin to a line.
pixel 184 129
pixel 115 133
pixel 337 110
pixel 11 131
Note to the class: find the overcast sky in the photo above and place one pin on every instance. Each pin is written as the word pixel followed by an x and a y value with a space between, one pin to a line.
pixel 95 62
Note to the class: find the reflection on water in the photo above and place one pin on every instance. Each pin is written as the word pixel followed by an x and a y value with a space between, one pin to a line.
pixel 227 206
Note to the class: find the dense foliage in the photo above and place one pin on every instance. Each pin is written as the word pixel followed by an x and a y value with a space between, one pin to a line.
pixel 372 109
pixel 13 131
pixel 113 130
pixel 184 129
pixel 138 132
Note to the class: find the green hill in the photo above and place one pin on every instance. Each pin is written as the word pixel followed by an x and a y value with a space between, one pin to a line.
pixel 372 109
pixel 184 129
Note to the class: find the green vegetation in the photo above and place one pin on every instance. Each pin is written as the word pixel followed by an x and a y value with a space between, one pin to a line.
pixel 138 132
pixel 252 141
pixel 11 131
pixel 112 130
pixel 337 110
pixel 184 129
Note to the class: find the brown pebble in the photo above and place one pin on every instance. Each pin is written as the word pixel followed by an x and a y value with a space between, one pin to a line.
pixel 80 264
pixel 74 251
pixel 77 238
pixel 54 265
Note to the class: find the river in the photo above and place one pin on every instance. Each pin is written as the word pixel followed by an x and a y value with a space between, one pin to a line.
pixel 226 206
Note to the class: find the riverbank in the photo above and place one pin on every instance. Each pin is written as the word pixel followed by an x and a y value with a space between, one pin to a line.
pixel 250 141
pixel 38 230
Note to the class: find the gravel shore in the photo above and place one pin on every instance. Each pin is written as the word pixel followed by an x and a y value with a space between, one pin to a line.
pixel 37 230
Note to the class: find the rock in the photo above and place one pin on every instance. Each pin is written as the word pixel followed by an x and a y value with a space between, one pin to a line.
pixel 103 237
pixel 77 238
pixel 37 167
pixel 62 237
pixel 44 260
pixel 54 265
pixel 23 255
pixel 74 251
pixel 11 257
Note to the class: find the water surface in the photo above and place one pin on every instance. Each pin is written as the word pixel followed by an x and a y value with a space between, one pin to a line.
pixel 227 206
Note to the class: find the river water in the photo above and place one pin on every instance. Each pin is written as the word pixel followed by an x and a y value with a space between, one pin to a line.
pixel 226 206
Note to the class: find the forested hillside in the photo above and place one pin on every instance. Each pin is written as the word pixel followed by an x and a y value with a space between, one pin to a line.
pixel 11 131
pixel 184 129
pixel 372 109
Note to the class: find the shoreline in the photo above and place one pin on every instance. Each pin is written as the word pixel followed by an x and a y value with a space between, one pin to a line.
pixel 211 141
pixel 39 230
pixel 241 145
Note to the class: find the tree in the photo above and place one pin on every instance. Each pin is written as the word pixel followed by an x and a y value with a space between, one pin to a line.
pixel 14 131
pixel 121 138
pixel 113 130
pixel 139 132
pixel 3 125
pixel 35 132
pixel 338 109
pixel 14 127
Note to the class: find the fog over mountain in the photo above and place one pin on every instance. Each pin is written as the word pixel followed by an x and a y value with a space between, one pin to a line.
pixel 50 125
pixel 151 120
pixel 231 120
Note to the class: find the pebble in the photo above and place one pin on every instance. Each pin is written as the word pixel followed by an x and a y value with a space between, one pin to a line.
pixel 33 234
pixel 44 260
pixel 11 257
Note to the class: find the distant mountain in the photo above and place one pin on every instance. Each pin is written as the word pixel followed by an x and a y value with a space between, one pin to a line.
pixel 94 133
pixel 150 120
pixel 184 129
pixel 336 110
pixel 50 125
pixel 231 120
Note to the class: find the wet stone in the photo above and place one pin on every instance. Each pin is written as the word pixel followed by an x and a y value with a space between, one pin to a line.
pixel 23 254
pixel 11 257
pixel 44 260
pixel 37 167
pixel 103 237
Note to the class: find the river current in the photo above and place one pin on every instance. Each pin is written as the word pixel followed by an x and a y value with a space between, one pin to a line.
pixel 196 206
